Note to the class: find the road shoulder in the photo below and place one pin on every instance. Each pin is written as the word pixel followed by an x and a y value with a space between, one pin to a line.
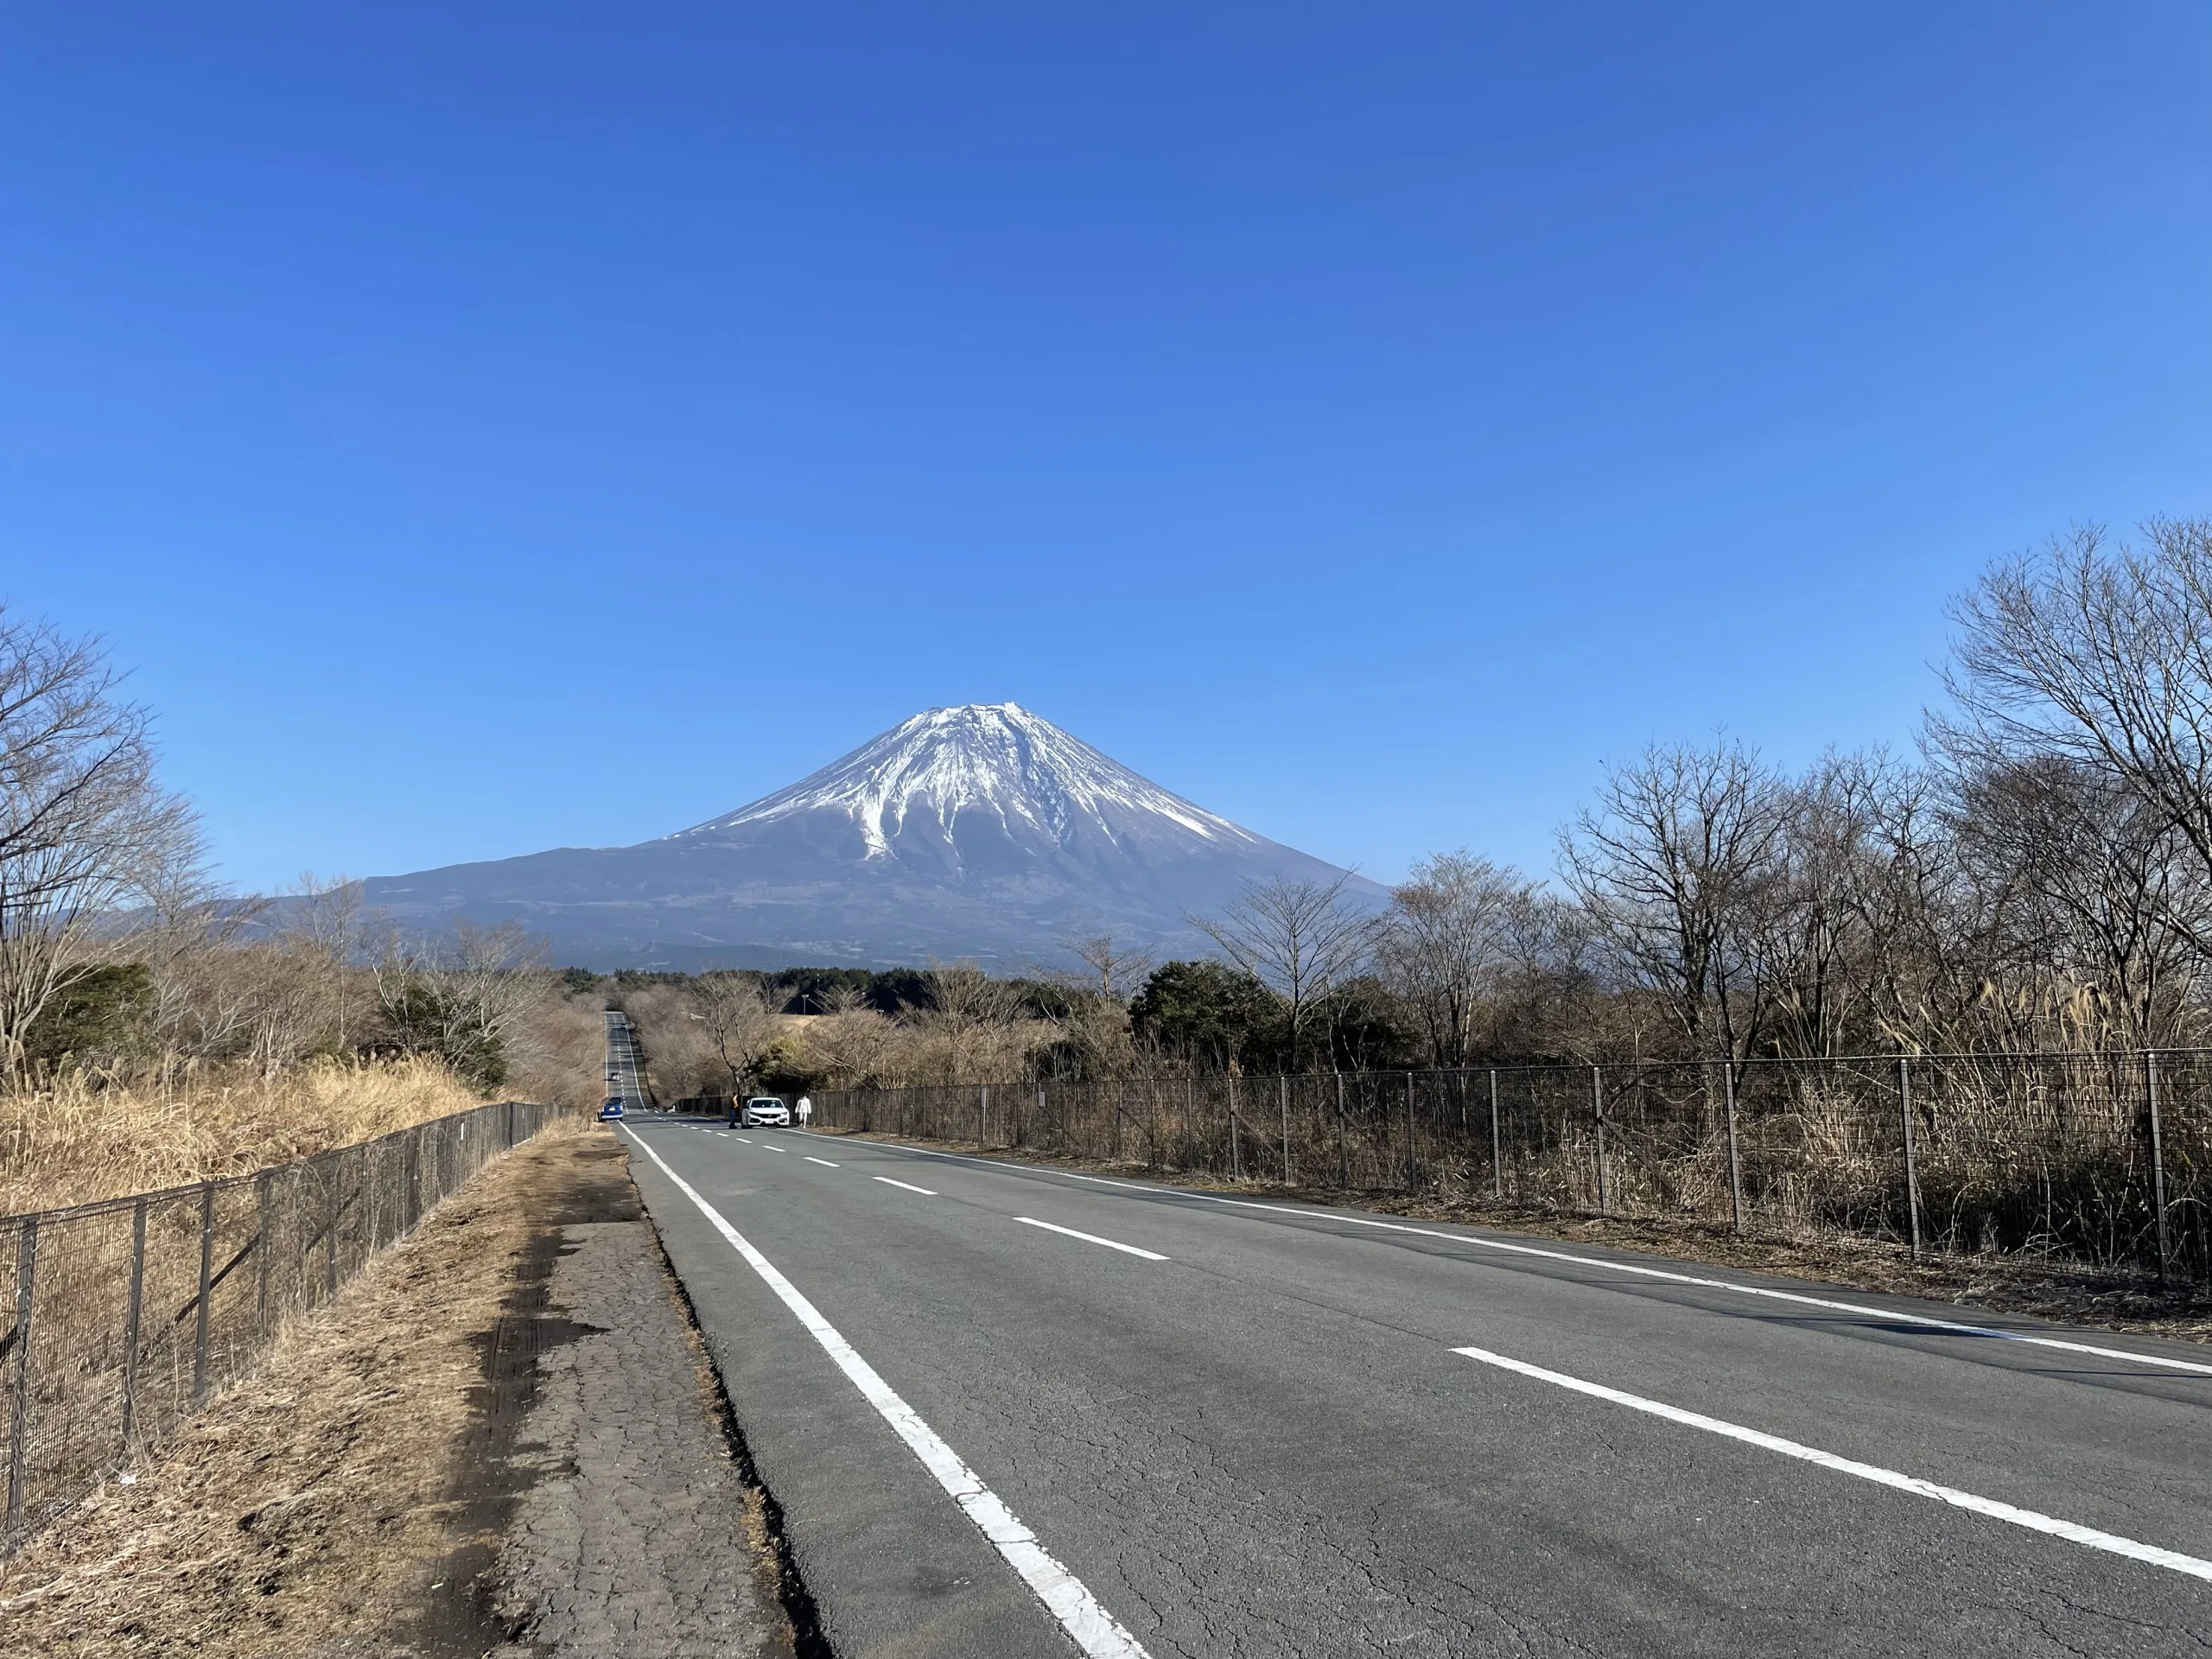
pixel 464 1453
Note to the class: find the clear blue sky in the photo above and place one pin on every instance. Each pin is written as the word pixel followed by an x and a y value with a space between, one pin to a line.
pixel 495 427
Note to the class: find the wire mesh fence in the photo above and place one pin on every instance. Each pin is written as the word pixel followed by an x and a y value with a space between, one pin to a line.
pixel 2102 1160
pixel 129 1313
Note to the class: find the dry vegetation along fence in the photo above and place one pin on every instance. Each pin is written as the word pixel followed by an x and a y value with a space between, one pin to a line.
pixel 128 1314
pixel 2101 1159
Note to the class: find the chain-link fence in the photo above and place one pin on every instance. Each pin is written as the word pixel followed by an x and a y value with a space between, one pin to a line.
pixel 130 1312
pixel 2102 1160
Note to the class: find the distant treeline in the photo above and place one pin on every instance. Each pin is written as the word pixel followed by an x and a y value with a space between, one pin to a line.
pixel 889 991
pixel 1206 1015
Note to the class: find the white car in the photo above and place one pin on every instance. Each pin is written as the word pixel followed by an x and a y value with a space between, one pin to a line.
pixel 764 1111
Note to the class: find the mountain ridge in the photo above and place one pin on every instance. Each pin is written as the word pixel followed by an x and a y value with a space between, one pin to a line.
pixel 971 830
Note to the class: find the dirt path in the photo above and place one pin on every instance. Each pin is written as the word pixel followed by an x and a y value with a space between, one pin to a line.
pixel 426 1467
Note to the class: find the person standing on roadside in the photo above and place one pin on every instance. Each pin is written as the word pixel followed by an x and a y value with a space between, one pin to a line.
pixel 805 1110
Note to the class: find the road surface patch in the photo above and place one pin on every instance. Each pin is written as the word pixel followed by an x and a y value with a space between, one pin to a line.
pixel 1095 1631
pixel 2031 1519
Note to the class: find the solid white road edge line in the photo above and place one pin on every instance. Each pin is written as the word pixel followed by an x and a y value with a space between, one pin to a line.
pixel 2032 1520
pixel 887 1181
pixel 1095 1631
pixel 1090 1238
pixel 824 1162
pixel 1313 1213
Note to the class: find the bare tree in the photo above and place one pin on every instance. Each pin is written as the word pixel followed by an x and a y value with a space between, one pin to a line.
pixel 739 1022
pixel 852 1042
pixel 1110 970
pixel 85 830
pixel 1671 868
pixel 1298 939
pixel 2102 653
pixel 1095 1026
pixel 1445 942
pixel 464 998
pixel 2099 896
pixel 969 1010
pixel 330 925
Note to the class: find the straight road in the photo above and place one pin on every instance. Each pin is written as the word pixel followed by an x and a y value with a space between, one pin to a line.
pixel 1010 1410
pixel 625 1077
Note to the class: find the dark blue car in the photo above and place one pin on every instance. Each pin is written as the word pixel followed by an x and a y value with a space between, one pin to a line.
pixel 612 1111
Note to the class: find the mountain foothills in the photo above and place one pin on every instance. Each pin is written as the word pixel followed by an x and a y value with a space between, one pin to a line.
pixel 978 831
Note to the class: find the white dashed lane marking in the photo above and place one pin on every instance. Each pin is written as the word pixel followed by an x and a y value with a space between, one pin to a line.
pixel 2034 1521
pixel 1090 1238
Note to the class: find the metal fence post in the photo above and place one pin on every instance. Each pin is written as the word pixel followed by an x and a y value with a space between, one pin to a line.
pixel 1282 1083
pixel 1189 1121
pixel 206 1285
pixel 1735 1162
pixel 19 1403
pixel 1496 1158
pixel 1911 1167
pixel 1343 1153
pixel 1598 1111
pixel 1236 1155
pixel 337 1191
pixel 1413 1148
pixel 133 1307
pixel 263 1211
pixel 982 1114
pixel 2157 1162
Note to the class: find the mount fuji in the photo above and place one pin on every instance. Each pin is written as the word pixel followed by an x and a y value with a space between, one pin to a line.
pixel 981 830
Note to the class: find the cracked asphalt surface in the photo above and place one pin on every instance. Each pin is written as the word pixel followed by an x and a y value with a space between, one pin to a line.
pixel 1266 1445
pixel 635 1539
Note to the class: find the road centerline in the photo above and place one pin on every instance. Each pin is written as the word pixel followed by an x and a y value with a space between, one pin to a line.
pixel 2033 1520
pixel 1090 1238
pixel 908 1185
pixel 824 1162
pixel 1095 1631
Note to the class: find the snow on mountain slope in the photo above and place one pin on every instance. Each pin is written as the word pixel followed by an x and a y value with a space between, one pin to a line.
pixel 982 830
pixel 993 758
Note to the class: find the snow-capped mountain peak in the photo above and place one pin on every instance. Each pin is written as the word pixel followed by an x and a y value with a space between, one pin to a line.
pixel 1038 782
pixel 980 831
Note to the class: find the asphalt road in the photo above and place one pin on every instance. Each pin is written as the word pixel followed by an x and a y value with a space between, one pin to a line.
pixel 1253 1429
pixel 625 1078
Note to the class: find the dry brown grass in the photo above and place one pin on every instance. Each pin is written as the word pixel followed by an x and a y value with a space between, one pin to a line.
pixel 78 1141
pixel 310 1509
